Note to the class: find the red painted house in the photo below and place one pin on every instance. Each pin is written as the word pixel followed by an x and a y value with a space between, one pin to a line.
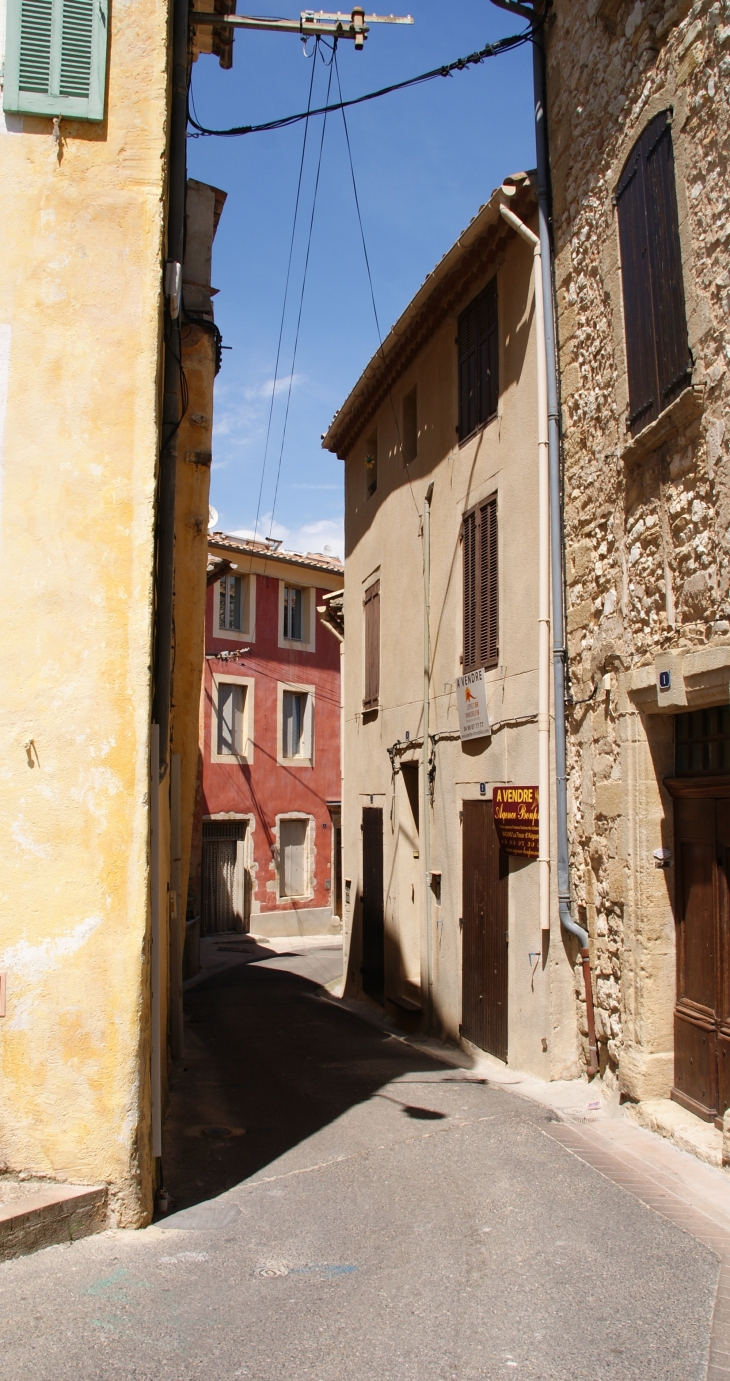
pixel 266 848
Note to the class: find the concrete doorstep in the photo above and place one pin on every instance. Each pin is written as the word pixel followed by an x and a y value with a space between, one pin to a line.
pixel 42 1213
pixel 690 1133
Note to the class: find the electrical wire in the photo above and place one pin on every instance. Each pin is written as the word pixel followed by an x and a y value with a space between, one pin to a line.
pixel 342 105
pixel 490 50
pixel 331 64
pixel 284 305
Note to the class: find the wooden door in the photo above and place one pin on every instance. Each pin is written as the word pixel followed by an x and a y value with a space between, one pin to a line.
pixel 702 1011
pixel 373 925
pixel 722 825
pixel 484 930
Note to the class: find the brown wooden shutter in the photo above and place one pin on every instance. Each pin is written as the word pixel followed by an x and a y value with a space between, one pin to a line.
pixel 478 361
pixel 657 351
pixel 489 352
pixel 481 586
pixel 488 586
pixel 468 395
pixel 674 362
pixel 469 544
pixel 371 606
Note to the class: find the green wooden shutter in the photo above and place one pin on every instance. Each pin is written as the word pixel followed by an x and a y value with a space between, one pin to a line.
pixel 55 58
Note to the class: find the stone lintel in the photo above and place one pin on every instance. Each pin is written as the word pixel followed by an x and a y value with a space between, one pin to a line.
pixel 698 678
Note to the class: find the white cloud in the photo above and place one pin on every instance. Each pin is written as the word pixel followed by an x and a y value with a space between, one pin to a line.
pixel 325 532
pixel 241 413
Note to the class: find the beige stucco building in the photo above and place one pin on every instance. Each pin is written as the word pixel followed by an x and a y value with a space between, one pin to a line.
pixel 85 832
pixel 638 125
pixel 446 414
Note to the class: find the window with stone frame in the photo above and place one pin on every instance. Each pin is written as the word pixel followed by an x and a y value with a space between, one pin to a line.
pixel 658 357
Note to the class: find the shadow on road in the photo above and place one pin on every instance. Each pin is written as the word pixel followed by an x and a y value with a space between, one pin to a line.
pixel 269 1061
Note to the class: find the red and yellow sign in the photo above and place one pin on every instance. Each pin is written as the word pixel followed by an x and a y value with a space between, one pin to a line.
pixel 516 819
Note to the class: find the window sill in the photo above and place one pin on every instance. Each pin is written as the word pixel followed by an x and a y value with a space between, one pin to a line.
pixel 684 409
pixel 231 635
pixel 294 762
pixel 293 645
pixel 464 441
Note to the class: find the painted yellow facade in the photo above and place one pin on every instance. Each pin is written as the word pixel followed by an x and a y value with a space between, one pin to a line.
pixel 81 332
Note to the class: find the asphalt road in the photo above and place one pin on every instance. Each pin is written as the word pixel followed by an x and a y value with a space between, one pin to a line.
pixel 372 1216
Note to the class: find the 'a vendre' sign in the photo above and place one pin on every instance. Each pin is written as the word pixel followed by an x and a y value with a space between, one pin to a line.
pixel 471 698
pixel 516 814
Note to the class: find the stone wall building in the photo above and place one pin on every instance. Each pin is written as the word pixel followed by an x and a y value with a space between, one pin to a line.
pixel 643 298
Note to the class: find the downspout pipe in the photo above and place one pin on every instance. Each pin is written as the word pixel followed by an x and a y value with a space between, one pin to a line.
pixel 543 567
pixel 556 534
pixel 172 391
pixel 556 527
pixel 426 752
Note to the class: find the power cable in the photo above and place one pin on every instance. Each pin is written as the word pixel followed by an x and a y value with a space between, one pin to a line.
pixel 342 105
pixel 284 306
pixel 490 50
pixel 301 297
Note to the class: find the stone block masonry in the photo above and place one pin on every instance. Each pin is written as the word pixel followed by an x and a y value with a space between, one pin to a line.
pixel 647 520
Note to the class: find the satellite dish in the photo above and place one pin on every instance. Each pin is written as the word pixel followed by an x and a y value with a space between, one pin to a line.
pixel 326 551
pixel 212 517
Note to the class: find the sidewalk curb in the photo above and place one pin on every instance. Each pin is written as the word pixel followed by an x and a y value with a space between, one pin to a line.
pixel 62 1213
pixel 664 1200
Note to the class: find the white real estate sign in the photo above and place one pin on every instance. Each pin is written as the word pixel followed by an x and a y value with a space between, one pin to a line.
pixel 471 698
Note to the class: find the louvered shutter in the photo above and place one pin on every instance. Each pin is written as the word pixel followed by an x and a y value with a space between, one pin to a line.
pixel 469 552
pixel 674 362
pixel 478 344
pixel 55 58
pixel 491 350
pixel 481 605
pixel 488 603
pixel 372 646
pixel 468 371
pixel 657 351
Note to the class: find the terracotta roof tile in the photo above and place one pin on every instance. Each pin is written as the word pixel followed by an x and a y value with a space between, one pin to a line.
pixel 312 560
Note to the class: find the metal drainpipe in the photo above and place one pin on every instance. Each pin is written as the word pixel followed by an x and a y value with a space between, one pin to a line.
pixel 171 402
pixel 155 948
pixel 425 755
pixel 543 570
pixel 556 526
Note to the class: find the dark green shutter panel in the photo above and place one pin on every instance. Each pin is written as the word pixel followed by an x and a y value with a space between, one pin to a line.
pixel 55 58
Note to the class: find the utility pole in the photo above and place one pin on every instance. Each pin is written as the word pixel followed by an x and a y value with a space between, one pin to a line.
pixel 311 23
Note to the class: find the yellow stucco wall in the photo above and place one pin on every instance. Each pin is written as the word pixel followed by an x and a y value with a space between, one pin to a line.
pixel 80 282
pixel 191 561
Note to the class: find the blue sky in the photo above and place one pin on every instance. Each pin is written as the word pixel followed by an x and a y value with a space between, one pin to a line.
pixel 425 160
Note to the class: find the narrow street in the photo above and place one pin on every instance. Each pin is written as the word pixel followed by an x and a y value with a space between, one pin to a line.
pixel 347 1207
